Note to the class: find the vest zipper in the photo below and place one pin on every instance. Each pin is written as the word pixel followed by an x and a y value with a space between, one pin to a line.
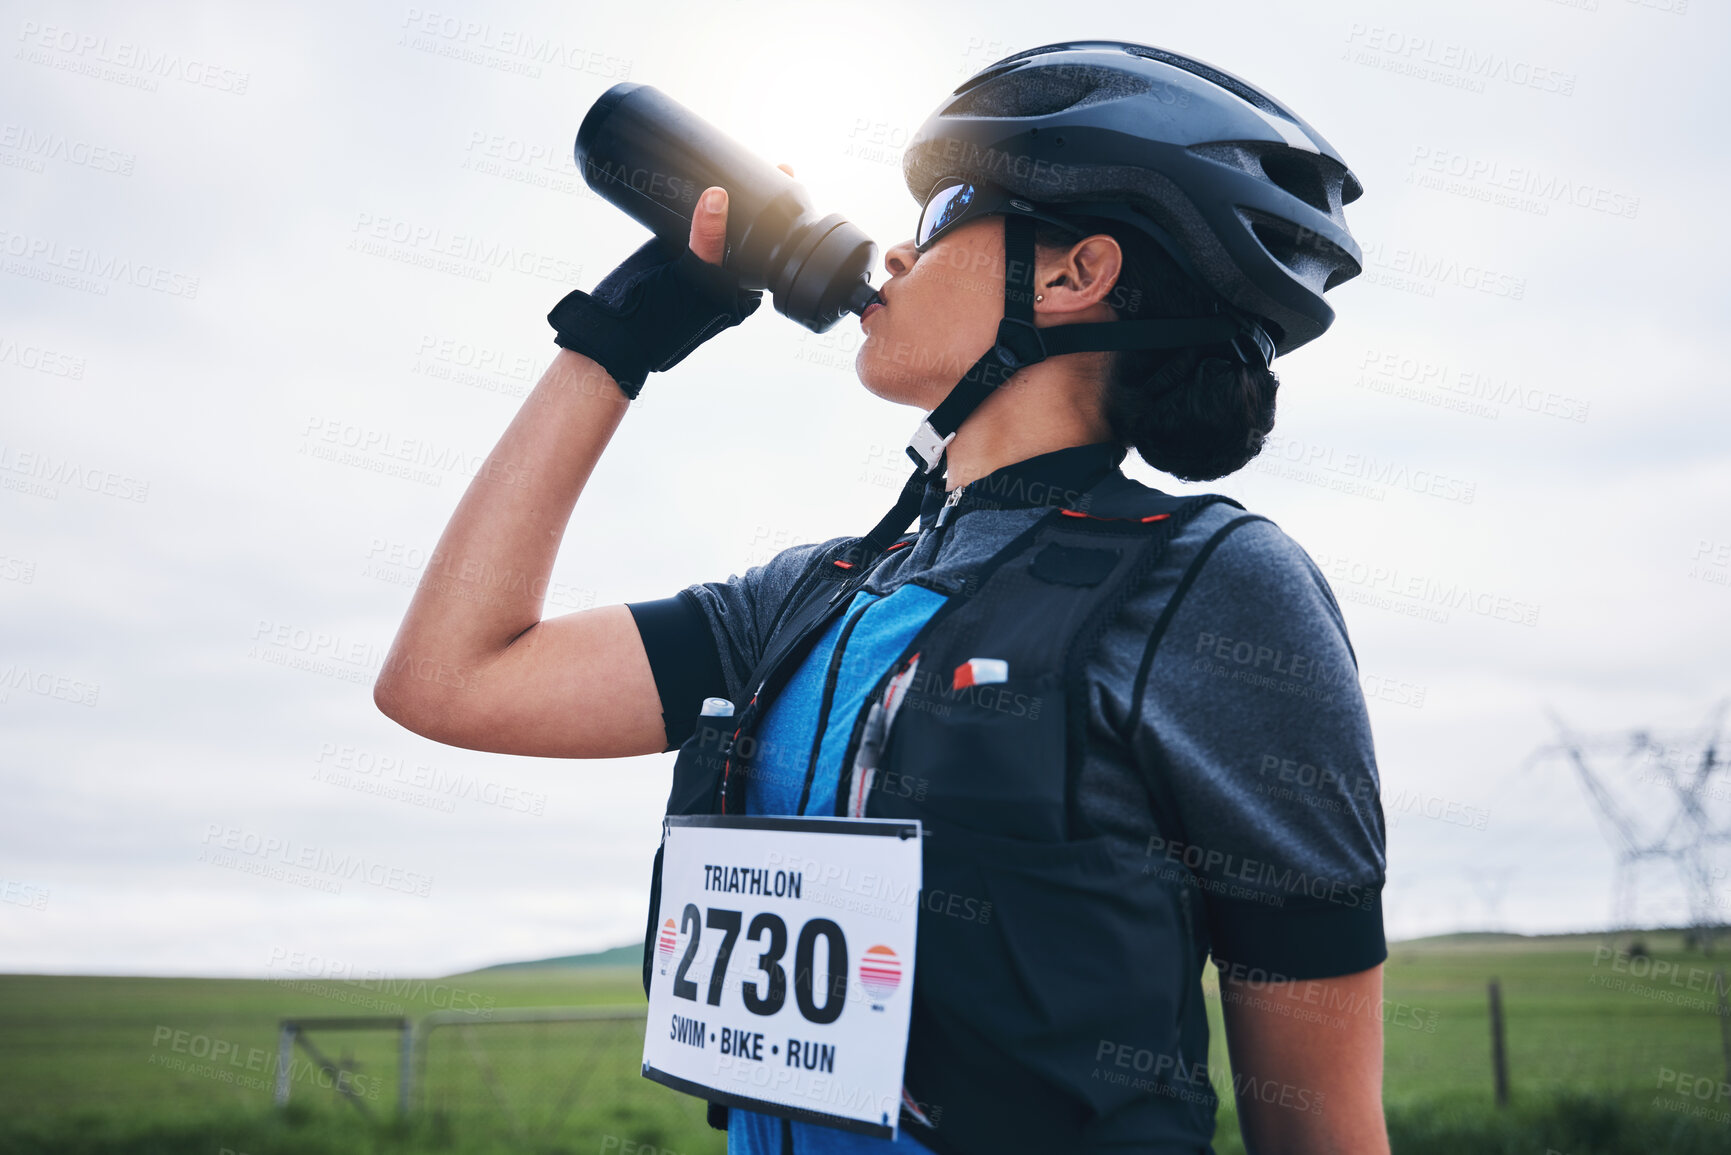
pixel 773 676
pixel 828 700
pixel 1192 977
pixel 943 523
pixel 844 790
pixel 955 495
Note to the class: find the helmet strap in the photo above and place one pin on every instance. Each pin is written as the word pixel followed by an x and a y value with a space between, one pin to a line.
pixel 1020 344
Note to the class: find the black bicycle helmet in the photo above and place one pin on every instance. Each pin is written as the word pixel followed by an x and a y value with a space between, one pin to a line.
pixel 1245 196
pixel 1252 195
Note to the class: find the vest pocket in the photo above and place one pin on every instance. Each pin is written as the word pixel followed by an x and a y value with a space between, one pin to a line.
pixel 696 784
pixel 987 757
pixel 1064 959
pixel 697 768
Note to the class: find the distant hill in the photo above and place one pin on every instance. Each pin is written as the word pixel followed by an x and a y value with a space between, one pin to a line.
pixel 1668 938
pixel 619 956
pixel 1478 937
pixel 631 955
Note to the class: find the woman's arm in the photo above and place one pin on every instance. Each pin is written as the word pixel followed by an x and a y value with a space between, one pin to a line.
pixel 473 664
pixel 1307 1083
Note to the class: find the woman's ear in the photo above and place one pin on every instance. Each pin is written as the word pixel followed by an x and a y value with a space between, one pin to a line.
pixel 1081 276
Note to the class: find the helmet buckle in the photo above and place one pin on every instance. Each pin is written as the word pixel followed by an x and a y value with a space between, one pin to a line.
pixel 1019 343
pixel 1253 346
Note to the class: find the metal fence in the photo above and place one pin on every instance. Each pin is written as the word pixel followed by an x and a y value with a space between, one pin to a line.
pixel 340 1075
pixel 541 1076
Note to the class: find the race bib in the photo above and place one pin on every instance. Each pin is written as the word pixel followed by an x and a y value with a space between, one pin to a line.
pixel 784 965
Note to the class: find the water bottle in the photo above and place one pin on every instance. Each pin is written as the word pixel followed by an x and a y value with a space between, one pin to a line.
pixel 652 157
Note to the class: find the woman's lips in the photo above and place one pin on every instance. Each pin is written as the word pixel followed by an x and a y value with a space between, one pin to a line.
pixel 874 307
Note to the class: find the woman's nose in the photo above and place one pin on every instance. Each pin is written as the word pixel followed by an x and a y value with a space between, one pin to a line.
pixel 900 258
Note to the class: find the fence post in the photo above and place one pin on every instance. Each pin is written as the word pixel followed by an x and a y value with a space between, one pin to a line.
pixel 1499 1054
pixel 404 1050
pixel 1724 1021
pixel 285 1053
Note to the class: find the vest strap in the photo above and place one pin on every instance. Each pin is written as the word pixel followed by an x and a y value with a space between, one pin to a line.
pixel 1164 527
pixel 895 522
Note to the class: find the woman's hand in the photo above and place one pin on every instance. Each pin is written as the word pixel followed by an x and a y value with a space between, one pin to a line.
pixel 709 223
pixel 656 308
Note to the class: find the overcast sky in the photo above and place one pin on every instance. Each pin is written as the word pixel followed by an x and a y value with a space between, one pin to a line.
pixel 227 235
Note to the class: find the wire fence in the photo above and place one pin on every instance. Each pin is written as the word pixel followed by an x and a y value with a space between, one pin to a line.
pixel 546 1078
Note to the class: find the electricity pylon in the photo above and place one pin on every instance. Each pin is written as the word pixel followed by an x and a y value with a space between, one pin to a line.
pixel 1694 775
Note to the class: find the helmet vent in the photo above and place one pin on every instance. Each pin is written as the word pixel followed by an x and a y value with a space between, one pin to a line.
pixel 1019 92
pixel 1298 176
pixel 1279 242
pixel 1007 64
pixel 1307 177
pixel 1196 68
pixel 1311 258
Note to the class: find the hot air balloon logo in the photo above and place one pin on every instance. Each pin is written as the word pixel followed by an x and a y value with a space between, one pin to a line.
pixel 665 943
pixel 880 973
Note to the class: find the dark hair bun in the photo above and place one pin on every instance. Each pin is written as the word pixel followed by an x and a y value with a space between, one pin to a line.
pixel 1191 413
pixel 1196 417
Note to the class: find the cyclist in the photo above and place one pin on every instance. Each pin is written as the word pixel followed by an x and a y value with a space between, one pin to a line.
pixel 1132 720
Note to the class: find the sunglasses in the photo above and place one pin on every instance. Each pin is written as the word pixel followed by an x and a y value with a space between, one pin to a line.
pixel 954 201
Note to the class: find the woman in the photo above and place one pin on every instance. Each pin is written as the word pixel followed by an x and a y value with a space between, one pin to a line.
pixel 1130 722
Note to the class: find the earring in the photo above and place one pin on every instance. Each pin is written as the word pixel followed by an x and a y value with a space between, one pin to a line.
pixel 1039 296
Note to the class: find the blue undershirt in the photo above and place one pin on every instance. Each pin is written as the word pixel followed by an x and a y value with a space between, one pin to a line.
pixel 878 629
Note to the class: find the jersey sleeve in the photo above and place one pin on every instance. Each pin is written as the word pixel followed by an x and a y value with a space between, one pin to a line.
pixel 1253 733
pixel 705 640
pixel 683 657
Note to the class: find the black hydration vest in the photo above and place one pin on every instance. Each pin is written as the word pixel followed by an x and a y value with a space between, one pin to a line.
pixel 1057 979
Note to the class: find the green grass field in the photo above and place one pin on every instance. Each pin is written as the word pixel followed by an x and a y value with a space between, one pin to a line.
pixel 1606 1054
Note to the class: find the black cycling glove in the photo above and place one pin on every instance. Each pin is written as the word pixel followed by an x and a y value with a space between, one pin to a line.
pixel 649 313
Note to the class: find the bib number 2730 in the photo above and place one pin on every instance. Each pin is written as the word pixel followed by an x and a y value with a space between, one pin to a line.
pixel 764 990
pixel 753 910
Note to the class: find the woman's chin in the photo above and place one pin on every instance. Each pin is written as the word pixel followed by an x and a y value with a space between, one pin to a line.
pixel 892 382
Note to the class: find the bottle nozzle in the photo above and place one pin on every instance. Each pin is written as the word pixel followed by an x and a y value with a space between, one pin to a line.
pixel 862 298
